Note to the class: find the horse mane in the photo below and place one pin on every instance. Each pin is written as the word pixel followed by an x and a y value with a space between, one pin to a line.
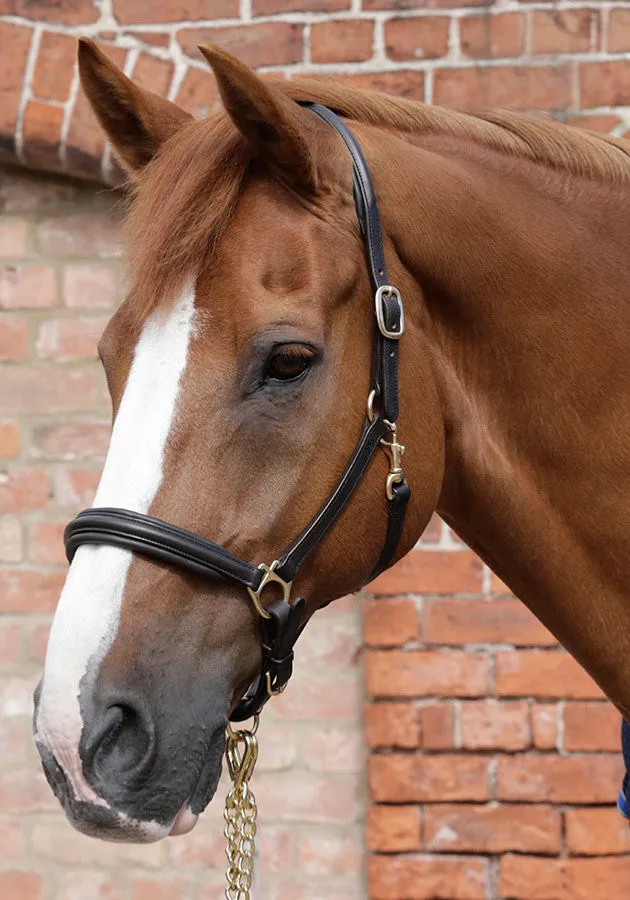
pixel 182 201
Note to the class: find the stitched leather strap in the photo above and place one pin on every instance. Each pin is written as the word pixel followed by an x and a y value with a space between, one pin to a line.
pixel 385 375
pixel 159 540
pixel 396 510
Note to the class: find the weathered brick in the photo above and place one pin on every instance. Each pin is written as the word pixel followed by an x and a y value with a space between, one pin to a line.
pixel 594 832
pixel 93 884
pixel 198 94
pixel 393 829
pixel 264 44
pixel 161 888
pixel 333 640
pixel 404 778
pixel 532 878
pixel 76 487
pixel 10 438
pixel 153 74
pixel 534 673
pixel 404 877
pixel 71 440
pixel 464 828
pixel 13 238
pixel 343 40
pixel 591 726
pixel 81 234
pixel 313 696
pixel 41 134
pixel 15 42
pixel 11 547
pixel 544 725
pixel 27 287
pixel 604 84
pixel 424 673
pixel 311 798
pixel 594 122
pixel 438 723
pixel 584 779
pixel 403 83
pixel 70 338
pixel 65 845
pixel 447 621
pixel 326 853
pixel 13 338
pixel 16 885
pixel 23 489
pixel 431 571
pixel 89 286
pixel 60 12
pixel 389 622
pixel 564 31
pixel 54 67
pixel 25 791
pixel 421 38
pixel 413 4
pixel 327 748
pixel 515 87
pixel 129 12
pixel 13 731
pixel 493 36
pixel 45 543
pixel 493 725
pixel 37 640
pixel 269 7
pixel 11 840
pixel 10 649
pixel 618 31
pixel 43 389
pixel 395 725
pixel 23 591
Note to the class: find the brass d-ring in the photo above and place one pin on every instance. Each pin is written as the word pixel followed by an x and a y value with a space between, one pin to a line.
pixel 269 577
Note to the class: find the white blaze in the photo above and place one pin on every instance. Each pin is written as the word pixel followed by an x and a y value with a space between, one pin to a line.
pixel 88 614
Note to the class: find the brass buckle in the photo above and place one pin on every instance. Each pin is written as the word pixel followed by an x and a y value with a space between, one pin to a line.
pixel 269 577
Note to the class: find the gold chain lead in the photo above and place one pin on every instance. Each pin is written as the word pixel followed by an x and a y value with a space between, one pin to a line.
pixel 240 812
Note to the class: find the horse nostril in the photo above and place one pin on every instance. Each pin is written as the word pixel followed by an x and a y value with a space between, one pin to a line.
pixel 122 742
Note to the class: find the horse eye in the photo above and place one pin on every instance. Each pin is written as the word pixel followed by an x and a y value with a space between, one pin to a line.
pixel 288 363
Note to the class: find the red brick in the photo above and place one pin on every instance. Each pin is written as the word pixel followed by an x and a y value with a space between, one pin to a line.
pixel 9 438
pixel 13 237
pixel 13 744
pixel 45 543
pixel 15 42
pixel 37 389
pixel 342 40
pixel 414 4
pixel 482 621
pixel 426 878
pixel 421 38
pixel 76 487
pixel 403 83
pixel 27 287
pixel 389 622
pixel 20 885
pixel 619 31
pixel 493 36
pixel 564 31
pixel 59 12
pixel 433 531
pixel 69 339
pixel 23 490
pixel 10 652
pixel 312 798
pixel 431 572
pixel 486 829
pixel 130 12
pixel 393 829
pixel 269 7
pixel 13 339
pixel 53 843
pixel 539 673
pixel 25 791
pixel 326 853
pixel 424 673
pixel 591 726
pixel 493 725
pixel 332 641
pixel 265 44
pixel 591 832
pixel 514 87
pixel 29 592
pixel 531 878
pixel 81 234
pixel 404 778
pixel 394 725
pixel 37 640
pixel 89 286
pixel 41 134
pixel 11 549
pixel 594 122
pixel 556 779
pixel 158 889
pixel 198 94
pixel 438 726
pixel 71 440
pixel 155 38
pixel 604 84
pixel 88 884
pixel 332 749
pixel 54 68
pixel 153 74
pixel 11 840
pixel 313 696
pixel 545 725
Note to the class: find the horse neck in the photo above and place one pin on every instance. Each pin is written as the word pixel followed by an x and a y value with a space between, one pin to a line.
pixel 526 316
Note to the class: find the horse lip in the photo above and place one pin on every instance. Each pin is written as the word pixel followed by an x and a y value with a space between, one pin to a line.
pixel 209 773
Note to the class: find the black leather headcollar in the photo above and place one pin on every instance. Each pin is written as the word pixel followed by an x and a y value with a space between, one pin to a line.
pixel 280 621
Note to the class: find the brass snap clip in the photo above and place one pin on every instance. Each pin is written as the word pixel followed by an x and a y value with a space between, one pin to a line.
pixel 396 473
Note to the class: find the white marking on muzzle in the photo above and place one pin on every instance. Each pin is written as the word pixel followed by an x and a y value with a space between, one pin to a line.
pixel 88 614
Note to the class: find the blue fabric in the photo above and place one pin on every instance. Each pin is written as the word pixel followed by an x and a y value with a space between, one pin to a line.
pixel 624 797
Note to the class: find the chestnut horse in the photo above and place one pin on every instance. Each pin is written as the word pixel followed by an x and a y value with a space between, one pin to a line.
pixel 238 367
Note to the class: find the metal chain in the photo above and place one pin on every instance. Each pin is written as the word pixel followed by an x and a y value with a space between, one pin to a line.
pixel 240 812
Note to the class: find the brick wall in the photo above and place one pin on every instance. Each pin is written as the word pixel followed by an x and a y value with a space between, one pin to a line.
pixel 493 760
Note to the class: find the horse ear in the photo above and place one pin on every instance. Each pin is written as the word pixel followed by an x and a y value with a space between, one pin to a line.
pixel 275 126
pixel 137 122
